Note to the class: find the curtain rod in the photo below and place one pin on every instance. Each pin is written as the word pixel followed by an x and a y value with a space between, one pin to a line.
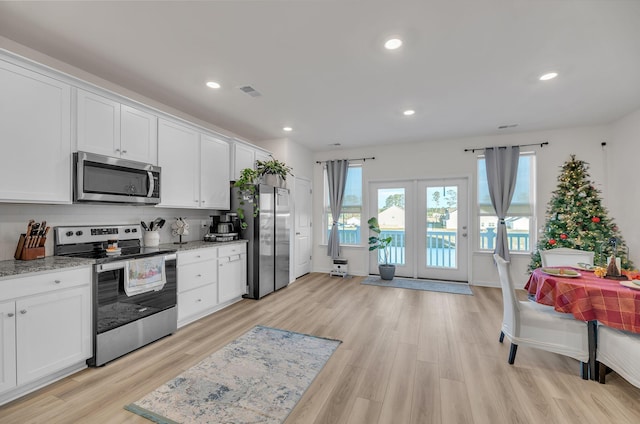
pixel 542 144
pixel 362 159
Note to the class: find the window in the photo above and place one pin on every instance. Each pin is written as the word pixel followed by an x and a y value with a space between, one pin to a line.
pixel 350 221
pixel 519 219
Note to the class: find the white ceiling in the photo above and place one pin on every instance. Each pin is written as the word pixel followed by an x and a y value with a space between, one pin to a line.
pixel 466 67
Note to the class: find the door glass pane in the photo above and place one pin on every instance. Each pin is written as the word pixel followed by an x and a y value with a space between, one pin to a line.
pixel 391 216
pixel 442 226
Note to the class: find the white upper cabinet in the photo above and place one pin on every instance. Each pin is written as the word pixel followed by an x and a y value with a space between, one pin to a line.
pixel 214 178
pixel 245 156
pixel 178 156
pixel 107 127
pixel 35 129
pixel 138 135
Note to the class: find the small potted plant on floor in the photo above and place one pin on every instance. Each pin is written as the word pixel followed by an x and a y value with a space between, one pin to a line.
pixel 376 242
pixel 273 171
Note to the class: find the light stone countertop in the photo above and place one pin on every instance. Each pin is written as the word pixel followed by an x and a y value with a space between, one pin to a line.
pixel 12 268
pixel 192 245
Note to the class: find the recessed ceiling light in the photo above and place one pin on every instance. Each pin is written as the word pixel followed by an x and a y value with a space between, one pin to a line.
pixel 287 129
pixel 213 84
pixel 392 43
pixel 409 112
pixel 549 76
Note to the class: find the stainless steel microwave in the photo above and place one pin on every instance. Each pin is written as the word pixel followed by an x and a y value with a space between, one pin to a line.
pixel 99 178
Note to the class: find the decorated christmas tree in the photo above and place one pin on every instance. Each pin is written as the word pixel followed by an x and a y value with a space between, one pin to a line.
pixel 575 218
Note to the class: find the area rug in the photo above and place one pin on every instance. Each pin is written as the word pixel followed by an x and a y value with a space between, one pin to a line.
pixel 428 285
pixel 257 378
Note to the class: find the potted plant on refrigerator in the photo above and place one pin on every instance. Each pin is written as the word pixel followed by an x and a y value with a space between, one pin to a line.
pixel 273 171
pixel 376 242
pixel 247 192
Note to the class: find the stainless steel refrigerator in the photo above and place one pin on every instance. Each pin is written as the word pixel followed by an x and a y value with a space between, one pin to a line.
pixel 268 239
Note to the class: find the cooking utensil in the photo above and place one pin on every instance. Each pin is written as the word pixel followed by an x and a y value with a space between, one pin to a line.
pixel 161 223
pixel 144 226
pixel 156 223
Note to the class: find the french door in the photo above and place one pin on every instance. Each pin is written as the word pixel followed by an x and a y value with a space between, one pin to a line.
pixel 428 223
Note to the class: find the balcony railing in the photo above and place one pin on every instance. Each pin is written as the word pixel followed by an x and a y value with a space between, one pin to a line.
pixel 440 244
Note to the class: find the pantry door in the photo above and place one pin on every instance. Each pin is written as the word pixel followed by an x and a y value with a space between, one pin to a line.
pixel 428 223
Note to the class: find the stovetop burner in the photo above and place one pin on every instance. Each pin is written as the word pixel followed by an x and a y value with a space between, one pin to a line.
pixel 91 242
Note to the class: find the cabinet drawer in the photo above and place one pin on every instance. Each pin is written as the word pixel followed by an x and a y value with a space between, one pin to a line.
pixel 196 274
pixel 41 283
pixel 232 249
pixel 197 255
pixel 197 300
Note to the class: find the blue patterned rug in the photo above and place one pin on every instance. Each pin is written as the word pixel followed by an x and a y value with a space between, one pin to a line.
pixel 427 285
pixel 257 378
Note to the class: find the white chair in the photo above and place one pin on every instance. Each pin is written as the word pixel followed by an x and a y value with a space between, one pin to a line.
pixel 562 256
pixel 535 325
pixel 620 351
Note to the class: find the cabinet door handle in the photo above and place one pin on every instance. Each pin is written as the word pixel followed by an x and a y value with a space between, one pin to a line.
pixel 57 281
pixel 124 152
pixel 10 314
pixel 23 311
pixel 117 150
pixel 199 275
pixel 199 300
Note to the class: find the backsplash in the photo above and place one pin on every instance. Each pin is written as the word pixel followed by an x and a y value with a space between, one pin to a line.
pixel 14 218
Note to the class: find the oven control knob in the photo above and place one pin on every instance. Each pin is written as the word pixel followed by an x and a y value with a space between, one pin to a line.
pixel 69 233
pixel 78 233
pixel 128 230
pixel 135 230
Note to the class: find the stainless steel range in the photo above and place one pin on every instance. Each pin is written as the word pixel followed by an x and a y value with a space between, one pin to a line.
pixel 134 287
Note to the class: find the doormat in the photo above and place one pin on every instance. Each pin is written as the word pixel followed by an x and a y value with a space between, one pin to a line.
pixel 413 284
pixel 257 378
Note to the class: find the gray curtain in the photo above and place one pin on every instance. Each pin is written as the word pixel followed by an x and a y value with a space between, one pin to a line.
pixel 502 169
pixel 337 177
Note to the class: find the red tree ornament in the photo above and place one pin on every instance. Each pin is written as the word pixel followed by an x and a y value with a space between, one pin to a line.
pixel 552 241
pixel 595 219
pixel 563 236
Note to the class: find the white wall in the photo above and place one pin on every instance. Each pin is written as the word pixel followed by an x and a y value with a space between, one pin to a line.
pixel 623 151
pixel 446 158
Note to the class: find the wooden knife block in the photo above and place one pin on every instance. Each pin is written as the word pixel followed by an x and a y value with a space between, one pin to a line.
pixel 24 253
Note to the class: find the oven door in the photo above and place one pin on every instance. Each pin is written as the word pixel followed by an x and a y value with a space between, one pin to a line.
pixel 106 179
pixel 114 308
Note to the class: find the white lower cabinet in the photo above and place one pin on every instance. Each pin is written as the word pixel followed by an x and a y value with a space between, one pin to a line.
pixel 232 272
pixel 210 279
pixel 197 284
pixel 46 326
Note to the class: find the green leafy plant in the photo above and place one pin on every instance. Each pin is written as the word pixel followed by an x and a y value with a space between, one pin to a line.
pixel 379 243
pixel 247 191
pixel 273 167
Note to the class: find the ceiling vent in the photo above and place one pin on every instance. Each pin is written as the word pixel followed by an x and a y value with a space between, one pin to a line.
pixel 250 91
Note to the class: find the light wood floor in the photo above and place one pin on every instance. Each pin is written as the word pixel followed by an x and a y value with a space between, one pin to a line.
pixel 407 357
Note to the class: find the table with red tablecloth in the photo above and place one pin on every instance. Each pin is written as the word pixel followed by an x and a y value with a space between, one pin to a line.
pixel 591 299
pixel 588 298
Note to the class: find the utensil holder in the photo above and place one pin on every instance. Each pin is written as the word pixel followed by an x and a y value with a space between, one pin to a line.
pixel 24 253
pixel 151 238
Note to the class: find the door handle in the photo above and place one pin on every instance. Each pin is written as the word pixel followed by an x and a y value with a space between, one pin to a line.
pixel 464 234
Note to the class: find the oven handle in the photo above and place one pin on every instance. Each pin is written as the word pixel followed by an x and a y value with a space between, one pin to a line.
pixel 151 183
pixel 112 266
